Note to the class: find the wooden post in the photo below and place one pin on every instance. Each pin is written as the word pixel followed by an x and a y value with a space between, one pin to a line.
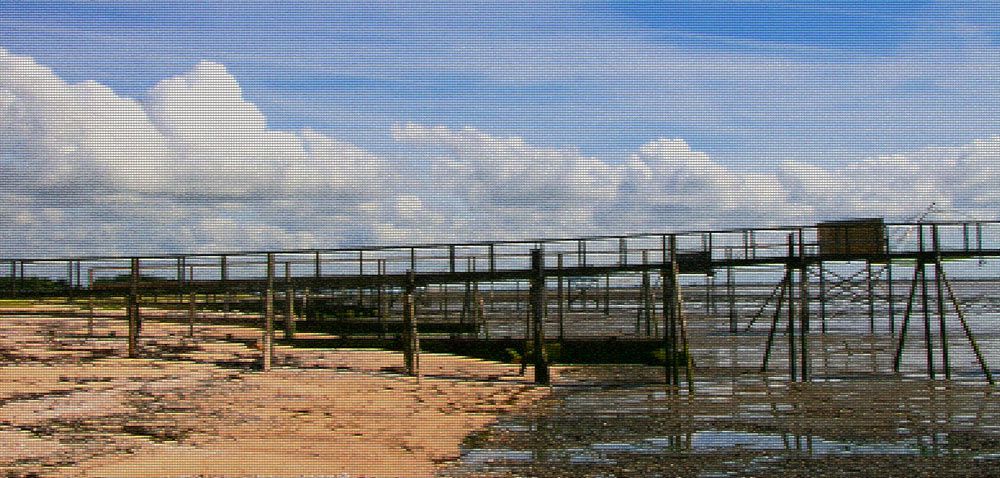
pixel 451 259
pixel 803 310
pixel 133 309
pixel 906 318
pixel 668 320
pixel 792 358
pixel 13 278
pixel 822 296
pixel 191 311
pixel 891 292
pixel 267 348
pixel 90 302
pixel 538 317
pixel 938 272
pixel 731 290
pixel 477 303
pixel 411 341
pixel 926 307
pixel 361 272
pixel 774 323
pixel 224 277
pixel 289 303
pixel 679 319
pixel 381 298
pixel 646 296
pixel 560 297
pixel 968 331
pixel 607 295
pixel 467 295
pixel 871 296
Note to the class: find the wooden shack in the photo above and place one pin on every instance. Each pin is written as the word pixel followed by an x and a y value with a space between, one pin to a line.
pixel 852 237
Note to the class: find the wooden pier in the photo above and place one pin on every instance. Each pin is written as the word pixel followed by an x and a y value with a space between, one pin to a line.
pixel 398 293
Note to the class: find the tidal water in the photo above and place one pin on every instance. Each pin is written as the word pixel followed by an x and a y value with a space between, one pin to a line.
pixel 856 417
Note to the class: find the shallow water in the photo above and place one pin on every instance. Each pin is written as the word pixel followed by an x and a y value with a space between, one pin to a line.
pixel 854 418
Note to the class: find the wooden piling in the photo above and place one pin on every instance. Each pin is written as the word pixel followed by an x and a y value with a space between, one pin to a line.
pixel 267 348
pixel 774 323
pixel 822 296
pixel 191 311
pixel 792 356
pixel 289 303
pixel 538 317
pixel 968 331
pixel 381 298
pixel 891 292
pixel 90 303
pixel 731 290
pixel 679 317
pixel 411 341
pixel 906 317
pixel 133 310
pixel 560 297
pixel 803 310
pixel 871 296
pixel 938 272
pixel 607 295
pixel 668 320
pixel 224 277
pixel 646 296
pixel 924 300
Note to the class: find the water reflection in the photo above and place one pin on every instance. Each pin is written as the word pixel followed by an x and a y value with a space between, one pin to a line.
pixel 739 428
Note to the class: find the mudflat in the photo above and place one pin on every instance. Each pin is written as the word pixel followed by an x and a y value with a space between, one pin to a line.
pixel 71 406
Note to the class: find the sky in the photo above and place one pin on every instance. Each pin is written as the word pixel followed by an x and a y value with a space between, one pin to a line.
pixel 145 127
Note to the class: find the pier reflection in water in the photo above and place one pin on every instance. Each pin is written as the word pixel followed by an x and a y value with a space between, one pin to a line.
pixel 749 426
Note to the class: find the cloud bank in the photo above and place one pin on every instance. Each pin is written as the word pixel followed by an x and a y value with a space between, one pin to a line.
pixel 193 167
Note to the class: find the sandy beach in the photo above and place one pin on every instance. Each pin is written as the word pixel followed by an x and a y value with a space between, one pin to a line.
pixel 71 406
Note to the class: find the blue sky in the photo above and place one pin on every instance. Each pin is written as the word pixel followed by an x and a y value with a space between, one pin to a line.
pixel 546 72
pixel 752 85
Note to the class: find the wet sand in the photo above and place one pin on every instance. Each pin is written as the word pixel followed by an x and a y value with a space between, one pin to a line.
pixel 70 406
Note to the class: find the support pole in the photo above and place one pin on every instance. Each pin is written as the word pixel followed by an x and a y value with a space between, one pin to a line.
pixel 679 318
pixel 411 341
pixel 731 290
pixel 968 331
pixel 891 292
pixel 803 310
pixel 133 309
pixel 267 347
pixel 668 320
pixel 647 297
pixel 871 296
pixel 224 277
pixel 607 295
pixel 381 298
pixel 538 317
pixel 560 297
pixel 906 318
pixel 792 358
pixel 289 303
pixel 90 303
pixel 924 300
pixel 938 272
pixel 191 311
pixel 822 296
pixel 774 323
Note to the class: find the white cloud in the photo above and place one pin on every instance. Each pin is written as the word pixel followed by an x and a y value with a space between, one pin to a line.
pixel 194 167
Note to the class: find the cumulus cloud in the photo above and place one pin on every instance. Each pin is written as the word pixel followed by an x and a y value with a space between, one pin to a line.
pixel 193 166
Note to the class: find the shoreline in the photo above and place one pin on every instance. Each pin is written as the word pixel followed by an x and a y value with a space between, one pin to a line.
pixel 71 407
